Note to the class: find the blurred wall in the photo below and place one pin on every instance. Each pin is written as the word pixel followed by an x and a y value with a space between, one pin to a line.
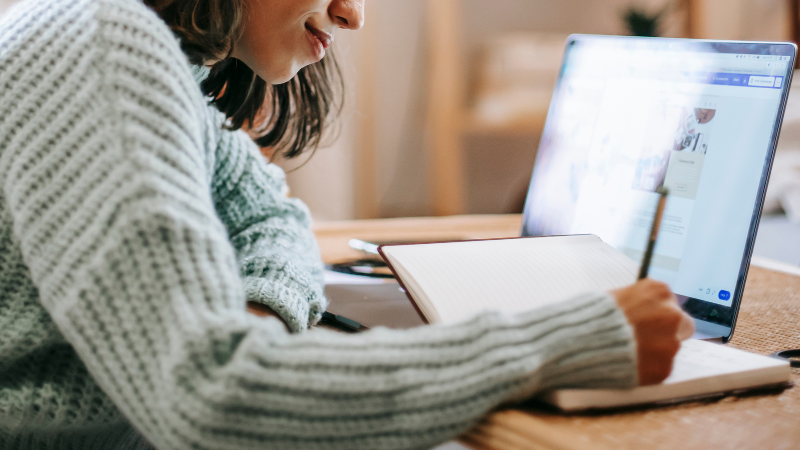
pixel 765 20
pixel 484 19
pixel 4 4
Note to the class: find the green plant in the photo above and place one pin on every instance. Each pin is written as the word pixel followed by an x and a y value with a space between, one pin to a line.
pixel 643 23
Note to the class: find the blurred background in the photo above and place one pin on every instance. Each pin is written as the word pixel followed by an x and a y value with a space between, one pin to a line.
pixel 446 99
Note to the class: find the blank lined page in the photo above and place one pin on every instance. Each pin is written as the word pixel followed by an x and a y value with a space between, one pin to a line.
pixel 698 359
pixel 459 279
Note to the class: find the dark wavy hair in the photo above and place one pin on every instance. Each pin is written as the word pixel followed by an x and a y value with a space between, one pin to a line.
pixel 289 117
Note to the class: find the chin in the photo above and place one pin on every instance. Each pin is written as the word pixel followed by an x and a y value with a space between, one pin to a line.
pixel 280 79
pixel 281 76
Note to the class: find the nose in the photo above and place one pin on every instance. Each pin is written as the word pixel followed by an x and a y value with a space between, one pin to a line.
pixel 348 14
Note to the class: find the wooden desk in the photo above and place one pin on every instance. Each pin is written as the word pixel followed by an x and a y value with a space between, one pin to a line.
pixel 769 321
pixel 333 236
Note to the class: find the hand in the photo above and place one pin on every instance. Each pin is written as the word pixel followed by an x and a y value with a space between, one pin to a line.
pixel 659 326
pixel 262 310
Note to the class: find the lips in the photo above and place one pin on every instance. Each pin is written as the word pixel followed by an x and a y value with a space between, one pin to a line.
pixel 324 38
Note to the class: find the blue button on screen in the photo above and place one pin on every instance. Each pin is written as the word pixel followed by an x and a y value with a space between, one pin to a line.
pixel 724 295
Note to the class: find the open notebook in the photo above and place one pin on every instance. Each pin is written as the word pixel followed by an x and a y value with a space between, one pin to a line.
pixel 452 281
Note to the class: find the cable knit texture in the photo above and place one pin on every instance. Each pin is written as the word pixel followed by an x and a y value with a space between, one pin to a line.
pixel 133 230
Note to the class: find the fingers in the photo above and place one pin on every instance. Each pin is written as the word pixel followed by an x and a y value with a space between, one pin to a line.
pixel 686 325
pixel 657 343
pixel 659 326
pixel 657 366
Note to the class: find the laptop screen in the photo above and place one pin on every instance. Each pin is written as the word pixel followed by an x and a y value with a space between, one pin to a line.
pixel 630 115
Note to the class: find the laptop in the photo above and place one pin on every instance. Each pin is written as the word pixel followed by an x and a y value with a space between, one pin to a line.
pixel 700 118
pixel 631 115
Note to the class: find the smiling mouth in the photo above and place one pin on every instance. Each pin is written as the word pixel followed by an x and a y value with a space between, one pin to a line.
pixel 324 38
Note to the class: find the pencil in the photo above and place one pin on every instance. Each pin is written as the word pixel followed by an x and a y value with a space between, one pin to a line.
pixel 651 243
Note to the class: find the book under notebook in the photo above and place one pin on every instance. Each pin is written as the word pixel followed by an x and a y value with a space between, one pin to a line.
pixel 701 369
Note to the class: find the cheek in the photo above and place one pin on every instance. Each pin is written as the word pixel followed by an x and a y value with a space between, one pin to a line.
pixel 276 57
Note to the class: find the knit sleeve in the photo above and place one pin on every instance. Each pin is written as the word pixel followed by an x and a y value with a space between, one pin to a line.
pixel 114 215
pixel 275 248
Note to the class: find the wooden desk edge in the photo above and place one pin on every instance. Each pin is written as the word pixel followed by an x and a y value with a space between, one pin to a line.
pixel 516 430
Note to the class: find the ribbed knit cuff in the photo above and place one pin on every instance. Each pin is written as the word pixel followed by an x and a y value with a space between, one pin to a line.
pixel 593 347
pixel 300 310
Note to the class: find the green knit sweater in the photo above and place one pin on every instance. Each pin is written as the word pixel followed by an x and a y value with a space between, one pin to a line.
pixel 133 229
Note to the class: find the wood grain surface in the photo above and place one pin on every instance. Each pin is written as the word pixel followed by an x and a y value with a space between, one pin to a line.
pixel 333 236
pixel 769 321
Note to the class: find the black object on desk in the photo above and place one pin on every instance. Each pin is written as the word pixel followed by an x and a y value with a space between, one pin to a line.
pixel 364 267
pixel 789 354
pixel 342 323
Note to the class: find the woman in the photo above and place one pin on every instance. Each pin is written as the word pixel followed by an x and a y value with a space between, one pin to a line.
pixel 135 224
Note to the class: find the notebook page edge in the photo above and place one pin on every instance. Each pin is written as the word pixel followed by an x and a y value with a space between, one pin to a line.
pixel 414 289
